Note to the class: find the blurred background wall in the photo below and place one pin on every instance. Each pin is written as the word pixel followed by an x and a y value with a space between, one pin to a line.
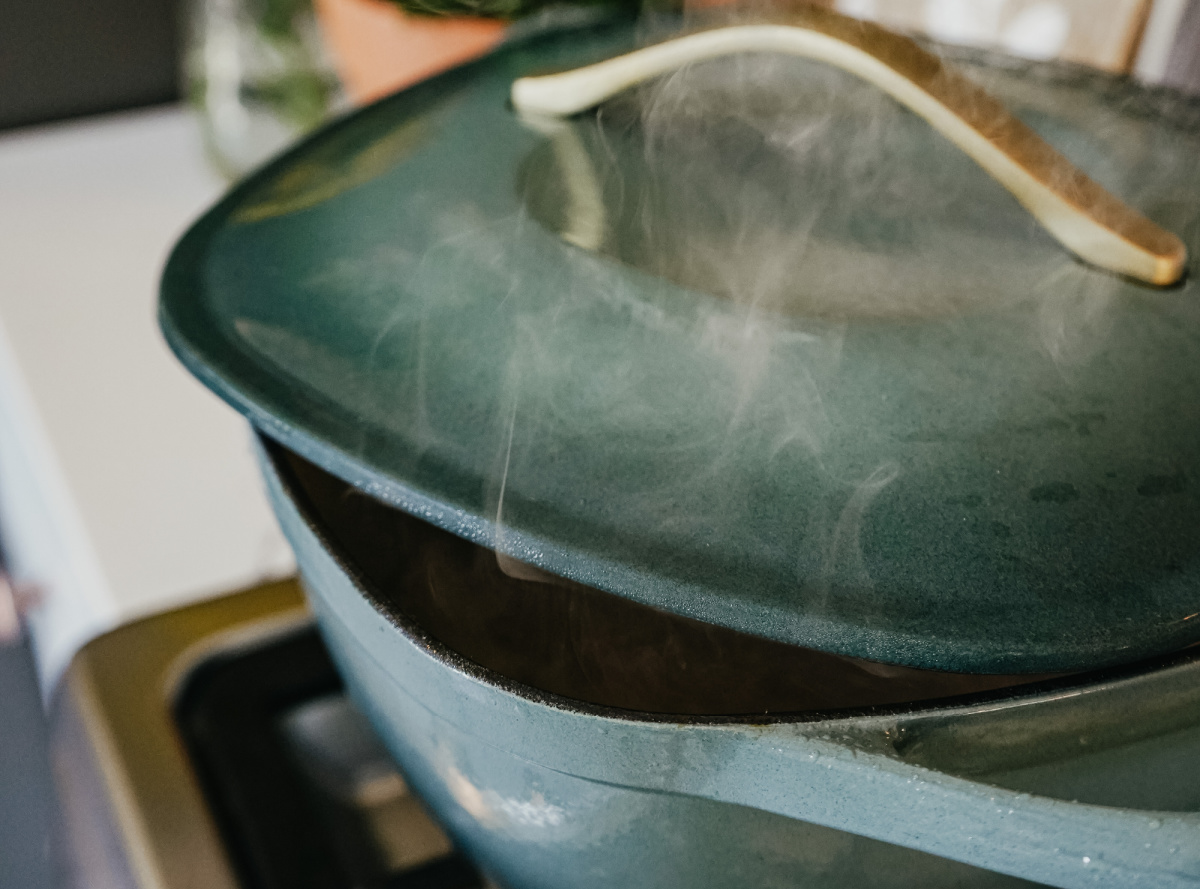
pixel 65 58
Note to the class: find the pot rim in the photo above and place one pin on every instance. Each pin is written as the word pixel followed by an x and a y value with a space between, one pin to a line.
pixel 272 448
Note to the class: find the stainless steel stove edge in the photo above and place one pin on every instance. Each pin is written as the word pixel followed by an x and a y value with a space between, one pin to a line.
pixel 133 813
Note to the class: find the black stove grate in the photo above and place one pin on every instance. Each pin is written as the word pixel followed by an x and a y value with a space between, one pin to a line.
pixel 282 826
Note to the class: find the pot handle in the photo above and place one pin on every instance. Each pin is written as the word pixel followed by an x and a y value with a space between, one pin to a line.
pixel 1048 841
pixel 1085 218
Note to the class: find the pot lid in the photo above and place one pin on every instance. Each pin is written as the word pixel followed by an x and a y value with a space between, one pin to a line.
pixel 750 343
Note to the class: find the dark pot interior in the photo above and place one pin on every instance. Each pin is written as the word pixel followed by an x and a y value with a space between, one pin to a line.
pixel 579 642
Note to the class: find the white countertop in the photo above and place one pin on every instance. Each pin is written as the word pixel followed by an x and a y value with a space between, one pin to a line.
pixel 125 487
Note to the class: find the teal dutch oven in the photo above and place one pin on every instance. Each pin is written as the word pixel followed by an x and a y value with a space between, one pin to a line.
pixel 766 465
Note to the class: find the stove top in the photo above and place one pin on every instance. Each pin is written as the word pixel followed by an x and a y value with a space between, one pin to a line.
pixel 214 746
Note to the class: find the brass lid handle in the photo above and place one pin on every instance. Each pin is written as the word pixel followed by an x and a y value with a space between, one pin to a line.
pixel 1084 217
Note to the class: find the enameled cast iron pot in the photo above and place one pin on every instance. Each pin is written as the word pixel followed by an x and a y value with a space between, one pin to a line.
pixel 1063 783
pixel 755 357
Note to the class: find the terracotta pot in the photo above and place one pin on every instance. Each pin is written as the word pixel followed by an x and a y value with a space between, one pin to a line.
pixel 378 49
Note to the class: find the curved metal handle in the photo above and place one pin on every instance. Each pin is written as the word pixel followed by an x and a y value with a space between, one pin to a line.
pixel 1084 217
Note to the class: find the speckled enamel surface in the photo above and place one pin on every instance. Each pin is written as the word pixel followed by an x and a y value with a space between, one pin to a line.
pixel 964 450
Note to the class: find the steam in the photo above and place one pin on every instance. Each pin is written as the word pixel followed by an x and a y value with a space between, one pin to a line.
pixel 801 200
pixel 841 547
pixel 750 329
pixel 1073 317
pixel 737 229
pixel 506 546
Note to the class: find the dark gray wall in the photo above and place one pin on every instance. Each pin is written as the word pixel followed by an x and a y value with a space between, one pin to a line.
pixel 64 58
